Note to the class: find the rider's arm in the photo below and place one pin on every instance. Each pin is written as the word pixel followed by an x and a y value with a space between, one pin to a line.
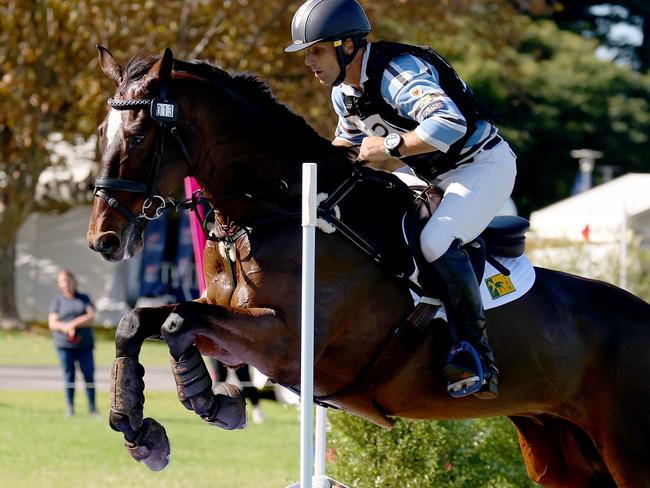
pixel 417 95
pixel 411 86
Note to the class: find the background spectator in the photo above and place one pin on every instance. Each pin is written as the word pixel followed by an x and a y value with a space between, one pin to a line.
pixel 70 315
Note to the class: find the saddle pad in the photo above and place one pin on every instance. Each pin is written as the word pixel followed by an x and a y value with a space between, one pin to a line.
pixel 497 289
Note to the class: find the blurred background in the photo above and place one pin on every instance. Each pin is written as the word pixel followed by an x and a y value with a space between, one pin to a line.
pixel 569 81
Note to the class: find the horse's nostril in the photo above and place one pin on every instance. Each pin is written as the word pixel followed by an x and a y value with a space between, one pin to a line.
pixel 107 243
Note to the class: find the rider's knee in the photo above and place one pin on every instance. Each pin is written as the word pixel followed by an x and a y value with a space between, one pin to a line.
pixel 434 244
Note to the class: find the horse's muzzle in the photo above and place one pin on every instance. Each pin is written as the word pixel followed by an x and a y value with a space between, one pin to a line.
pixel 107 243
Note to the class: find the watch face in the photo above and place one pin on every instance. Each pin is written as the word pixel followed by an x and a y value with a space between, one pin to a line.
pixel 391 141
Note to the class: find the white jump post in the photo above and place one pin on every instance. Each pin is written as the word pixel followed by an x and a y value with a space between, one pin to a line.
pixel 310 476
pixel 309 205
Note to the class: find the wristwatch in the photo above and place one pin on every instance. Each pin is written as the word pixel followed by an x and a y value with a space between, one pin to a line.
pixel 392 143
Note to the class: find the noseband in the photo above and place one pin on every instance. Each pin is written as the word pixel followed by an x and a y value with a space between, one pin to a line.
pixel 165 113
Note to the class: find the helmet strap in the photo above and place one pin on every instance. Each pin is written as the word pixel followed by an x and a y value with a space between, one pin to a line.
pixel 343 59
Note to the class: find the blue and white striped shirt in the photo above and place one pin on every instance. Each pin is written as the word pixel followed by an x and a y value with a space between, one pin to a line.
pixel 410 85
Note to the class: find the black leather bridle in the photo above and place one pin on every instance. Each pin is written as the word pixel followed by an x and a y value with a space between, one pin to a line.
pixel 165 113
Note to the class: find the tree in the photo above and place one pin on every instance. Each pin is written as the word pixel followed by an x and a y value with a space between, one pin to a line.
pixel 581 17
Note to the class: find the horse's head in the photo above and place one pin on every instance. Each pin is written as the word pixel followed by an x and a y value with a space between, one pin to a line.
pixel 140 161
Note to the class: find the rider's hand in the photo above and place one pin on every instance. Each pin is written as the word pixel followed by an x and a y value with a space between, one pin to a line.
pixel 372 149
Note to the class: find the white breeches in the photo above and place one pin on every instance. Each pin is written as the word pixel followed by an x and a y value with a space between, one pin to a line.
pixel 473 195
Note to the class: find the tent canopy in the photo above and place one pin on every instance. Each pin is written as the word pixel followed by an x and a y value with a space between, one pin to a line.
pixel 598 213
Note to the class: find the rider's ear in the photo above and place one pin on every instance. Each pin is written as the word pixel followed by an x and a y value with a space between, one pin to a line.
pixel 109 66
pixel 348 46
pixel 159 72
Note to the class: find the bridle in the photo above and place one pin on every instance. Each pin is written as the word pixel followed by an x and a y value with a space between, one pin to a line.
pixel 164 113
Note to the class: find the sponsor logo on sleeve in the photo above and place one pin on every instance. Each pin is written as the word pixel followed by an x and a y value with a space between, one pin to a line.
pixel 429 110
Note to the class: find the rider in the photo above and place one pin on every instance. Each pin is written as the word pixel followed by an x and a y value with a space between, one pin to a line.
pixel 397 100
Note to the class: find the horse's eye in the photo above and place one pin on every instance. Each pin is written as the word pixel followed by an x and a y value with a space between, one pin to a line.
pixel 135 140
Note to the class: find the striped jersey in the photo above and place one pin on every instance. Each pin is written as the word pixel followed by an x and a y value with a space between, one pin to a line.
pixel 411 86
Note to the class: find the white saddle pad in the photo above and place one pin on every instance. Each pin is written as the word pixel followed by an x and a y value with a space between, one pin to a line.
pixel 496 288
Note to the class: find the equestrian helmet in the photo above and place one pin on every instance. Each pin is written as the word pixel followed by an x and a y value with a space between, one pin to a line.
pixel 327 20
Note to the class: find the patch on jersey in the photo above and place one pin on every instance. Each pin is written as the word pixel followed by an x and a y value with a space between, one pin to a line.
pixel 416 92
pixel 499 285
pixel 424 101
pixel 431 109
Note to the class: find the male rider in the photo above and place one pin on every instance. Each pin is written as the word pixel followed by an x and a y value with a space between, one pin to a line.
pixel 396 100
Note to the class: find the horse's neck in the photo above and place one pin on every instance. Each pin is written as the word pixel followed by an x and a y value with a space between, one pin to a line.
pixel 242 164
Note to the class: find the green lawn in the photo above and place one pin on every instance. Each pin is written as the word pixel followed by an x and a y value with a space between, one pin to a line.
pixel 35 348
pixel 40 448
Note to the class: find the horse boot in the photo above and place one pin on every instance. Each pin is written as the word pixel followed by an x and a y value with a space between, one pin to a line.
pixel 470 365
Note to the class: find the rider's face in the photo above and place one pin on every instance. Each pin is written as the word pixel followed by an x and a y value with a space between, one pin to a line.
pixel 321 59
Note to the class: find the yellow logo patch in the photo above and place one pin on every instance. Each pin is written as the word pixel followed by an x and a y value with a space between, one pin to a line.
pixel 499 285
pixel 416 92
pixel 422 102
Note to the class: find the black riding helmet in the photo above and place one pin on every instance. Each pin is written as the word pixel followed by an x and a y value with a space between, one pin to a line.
pixel 330 20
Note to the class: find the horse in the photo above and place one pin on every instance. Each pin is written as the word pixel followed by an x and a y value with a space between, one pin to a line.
pixel 571 352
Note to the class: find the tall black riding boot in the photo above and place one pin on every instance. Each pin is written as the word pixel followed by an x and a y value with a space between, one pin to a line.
pixel 464 306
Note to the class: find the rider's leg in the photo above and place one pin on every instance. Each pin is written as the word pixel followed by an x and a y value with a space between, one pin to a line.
pixel 473 195
pixel 463 303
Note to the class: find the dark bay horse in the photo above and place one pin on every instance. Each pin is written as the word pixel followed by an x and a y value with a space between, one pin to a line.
pixel 572 352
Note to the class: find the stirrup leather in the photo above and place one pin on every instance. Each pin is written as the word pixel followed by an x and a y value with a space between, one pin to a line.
pixel 464 370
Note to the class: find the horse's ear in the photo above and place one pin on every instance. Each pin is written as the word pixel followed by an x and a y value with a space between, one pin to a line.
pixel 109 65
pixel 159 72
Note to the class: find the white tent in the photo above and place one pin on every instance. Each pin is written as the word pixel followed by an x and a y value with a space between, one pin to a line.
pixel 601 212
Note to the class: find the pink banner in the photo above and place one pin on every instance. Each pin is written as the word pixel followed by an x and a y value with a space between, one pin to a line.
pixel 198 237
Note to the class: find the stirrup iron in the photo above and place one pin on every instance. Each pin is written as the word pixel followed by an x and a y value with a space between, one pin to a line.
pixel 469 383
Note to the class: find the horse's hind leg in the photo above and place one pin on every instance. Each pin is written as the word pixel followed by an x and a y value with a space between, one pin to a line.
pixel 558 454
pixel 145 439
pixel 625 447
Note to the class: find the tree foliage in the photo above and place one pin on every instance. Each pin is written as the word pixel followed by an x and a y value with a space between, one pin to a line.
pixel 596 18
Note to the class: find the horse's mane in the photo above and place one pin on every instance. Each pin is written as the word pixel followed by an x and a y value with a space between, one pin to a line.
pixel 245 85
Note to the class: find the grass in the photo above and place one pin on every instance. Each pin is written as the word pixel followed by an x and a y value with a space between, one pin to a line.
pixel 39 447
pixel 42 448
pixel 35 348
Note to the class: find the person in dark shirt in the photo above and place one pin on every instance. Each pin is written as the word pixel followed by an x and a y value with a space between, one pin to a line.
pixel 69 319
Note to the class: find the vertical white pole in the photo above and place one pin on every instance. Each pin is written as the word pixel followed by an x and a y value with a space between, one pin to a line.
pixel 321 446
pixel 307 323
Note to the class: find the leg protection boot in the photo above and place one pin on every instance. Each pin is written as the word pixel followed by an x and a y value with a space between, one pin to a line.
pixel 463 304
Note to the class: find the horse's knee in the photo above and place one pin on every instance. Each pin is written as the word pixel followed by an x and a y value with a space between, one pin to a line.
pixel 177 328
pixel 126 344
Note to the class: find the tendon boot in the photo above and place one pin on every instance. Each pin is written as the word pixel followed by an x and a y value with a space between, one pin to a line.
pixel 470 365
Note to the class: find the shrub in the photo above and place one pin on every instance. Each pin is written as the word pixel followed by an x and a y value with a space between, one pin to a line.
pixel 417 454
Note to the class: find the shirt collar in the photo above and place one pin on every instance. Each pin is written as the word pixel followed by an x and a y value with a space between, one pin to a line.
pixel 351 91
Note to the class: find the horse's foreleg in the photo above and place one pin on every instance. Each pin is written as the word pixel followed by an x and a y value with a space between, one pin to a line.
pixel 233 330
pixel 145 439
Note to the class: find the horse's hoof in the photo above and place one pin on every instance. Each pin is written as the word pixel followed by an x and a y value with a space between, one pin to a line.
pixel 151 447
pixel 231 408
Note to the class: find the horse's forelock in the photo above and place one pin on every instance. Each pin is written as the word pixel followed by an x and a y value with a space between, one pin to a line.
pixel 138 67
